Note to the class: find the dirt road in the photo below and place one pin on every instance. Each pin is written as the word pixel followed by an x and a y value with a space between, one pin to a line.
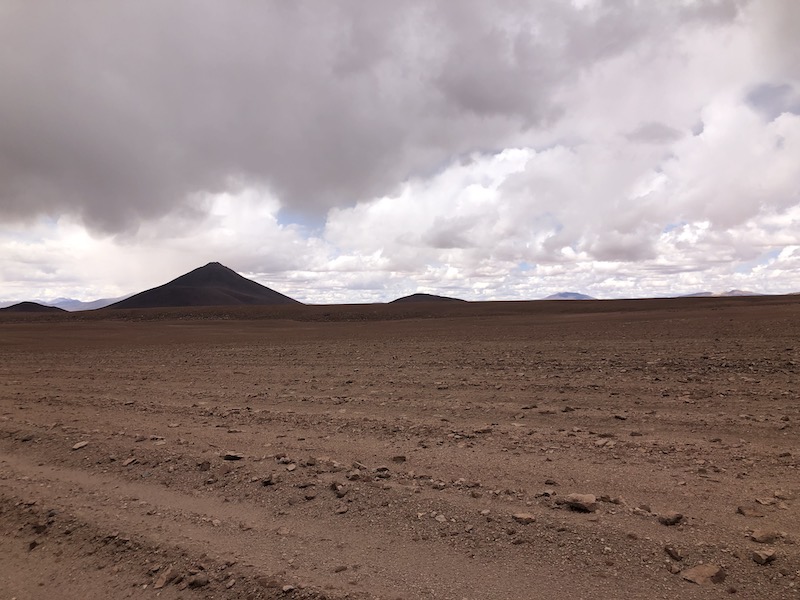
pixel 404 458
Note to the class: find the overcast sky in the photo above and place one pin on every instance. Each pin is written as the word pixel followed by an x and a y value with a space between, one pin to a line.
pixel 356 151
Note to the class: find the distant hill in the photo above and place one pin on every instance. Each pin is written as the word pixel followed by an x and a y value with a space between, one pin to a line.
pixel 211 285
pixel 32 307
pixel 728 294
pixel 74 305
pixel 425 298
pixel 569 296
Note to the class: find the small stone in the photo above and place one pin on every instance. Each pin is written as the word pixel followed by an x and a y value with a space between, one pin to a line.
pixel 198 581
pixel 581 502
pixel 670 518
pixel 524 518
pixel 232 456
pixel 341 509
pixel 287 589
pixel 128 461
pixel 704 574
pixel 80 445
pixel 204 465
pixel 441 518
pixel 673 553
pixel 764 537
pixel 291 467
pixel 165 578
pixel 749 511
pixel 271 479
pixel 764 557
pixel 399 458
pixel 230 583
pixel 340 569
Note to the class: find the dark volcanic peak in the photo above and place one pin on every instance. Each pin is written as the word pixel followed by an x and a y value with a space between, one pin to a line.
pixel 569 296
pixel 32 307
pixel 211 285
pixel 426 298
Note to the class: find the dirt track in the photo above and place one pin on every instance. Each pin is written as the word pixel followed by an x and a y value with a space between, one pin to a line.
pixel 387 458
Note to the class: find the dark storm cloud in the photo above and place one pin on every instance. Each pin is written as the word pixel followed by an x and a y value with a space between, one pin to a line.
pixel 119 112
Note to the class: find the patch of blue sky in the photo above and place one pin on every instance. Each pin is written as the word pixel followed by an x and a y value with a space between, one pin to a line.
pixel 763 259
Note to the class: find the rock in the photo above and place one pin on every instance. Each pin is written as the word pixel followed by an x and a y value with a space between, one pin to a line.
pixel 341 509
pixel 524 518
pixel 441 518
pixel 673 553
pixel 287 589
pixel 165 578
pixel 764 537
pixel 704 574
pixel 128 461
pixel 199 580
pixel 271 479
pixel 80 445
pixel 749 511
pixel 764 557
pixel 581 502
pixel 291 467
pixel 232 456
pixel 670 518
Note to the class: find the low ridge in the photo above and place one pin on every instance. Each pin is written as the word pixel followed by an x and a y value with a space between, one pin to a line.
pixel 32 307
pixel 426 298
pixel 569 296
pixel 211 285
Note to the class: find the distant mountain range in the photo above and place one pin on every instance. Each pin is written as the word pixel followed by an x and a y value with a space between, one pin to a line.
pixel 425 298
pixel 569 296
pixel 728 294
pixel 217 285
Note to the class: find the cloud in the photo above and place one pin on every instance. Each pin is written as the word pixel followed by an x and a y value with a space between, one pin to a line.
pixel 345 151
pixel 119 114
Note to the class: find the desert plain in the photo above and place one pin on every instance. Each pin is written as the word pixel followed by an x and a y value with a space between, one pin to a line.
pixel 451 451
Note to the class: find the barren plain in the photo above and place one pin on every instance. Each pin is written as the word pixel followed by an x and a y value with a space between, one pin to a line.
pixel 447 452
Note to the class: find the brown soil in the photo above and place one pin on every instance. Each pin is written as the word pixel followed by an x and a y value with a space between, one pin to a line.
pixel 378 455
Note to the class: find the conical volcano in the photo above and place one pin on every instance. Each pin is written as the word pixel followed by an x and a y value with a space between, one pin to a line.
pixel 211 285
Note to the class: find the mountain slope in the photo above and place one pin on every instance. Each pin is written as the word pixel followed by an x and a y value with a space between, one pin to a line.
pixel 211 285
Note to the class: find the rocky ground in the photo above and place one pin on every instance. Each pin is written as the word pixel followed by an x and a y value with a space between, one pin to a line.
pixel 586 453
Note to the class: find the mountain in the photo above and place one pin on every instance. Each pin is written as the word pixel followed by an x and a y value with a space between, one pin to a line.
pixel 728 294
pixel 211 285
pixel 425 298
pixel 569 296
pixel 71 304
pixel 32 307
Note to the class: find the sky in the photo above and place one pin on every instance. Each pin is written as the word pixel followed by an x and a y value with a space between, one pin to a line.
pixel 351 151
